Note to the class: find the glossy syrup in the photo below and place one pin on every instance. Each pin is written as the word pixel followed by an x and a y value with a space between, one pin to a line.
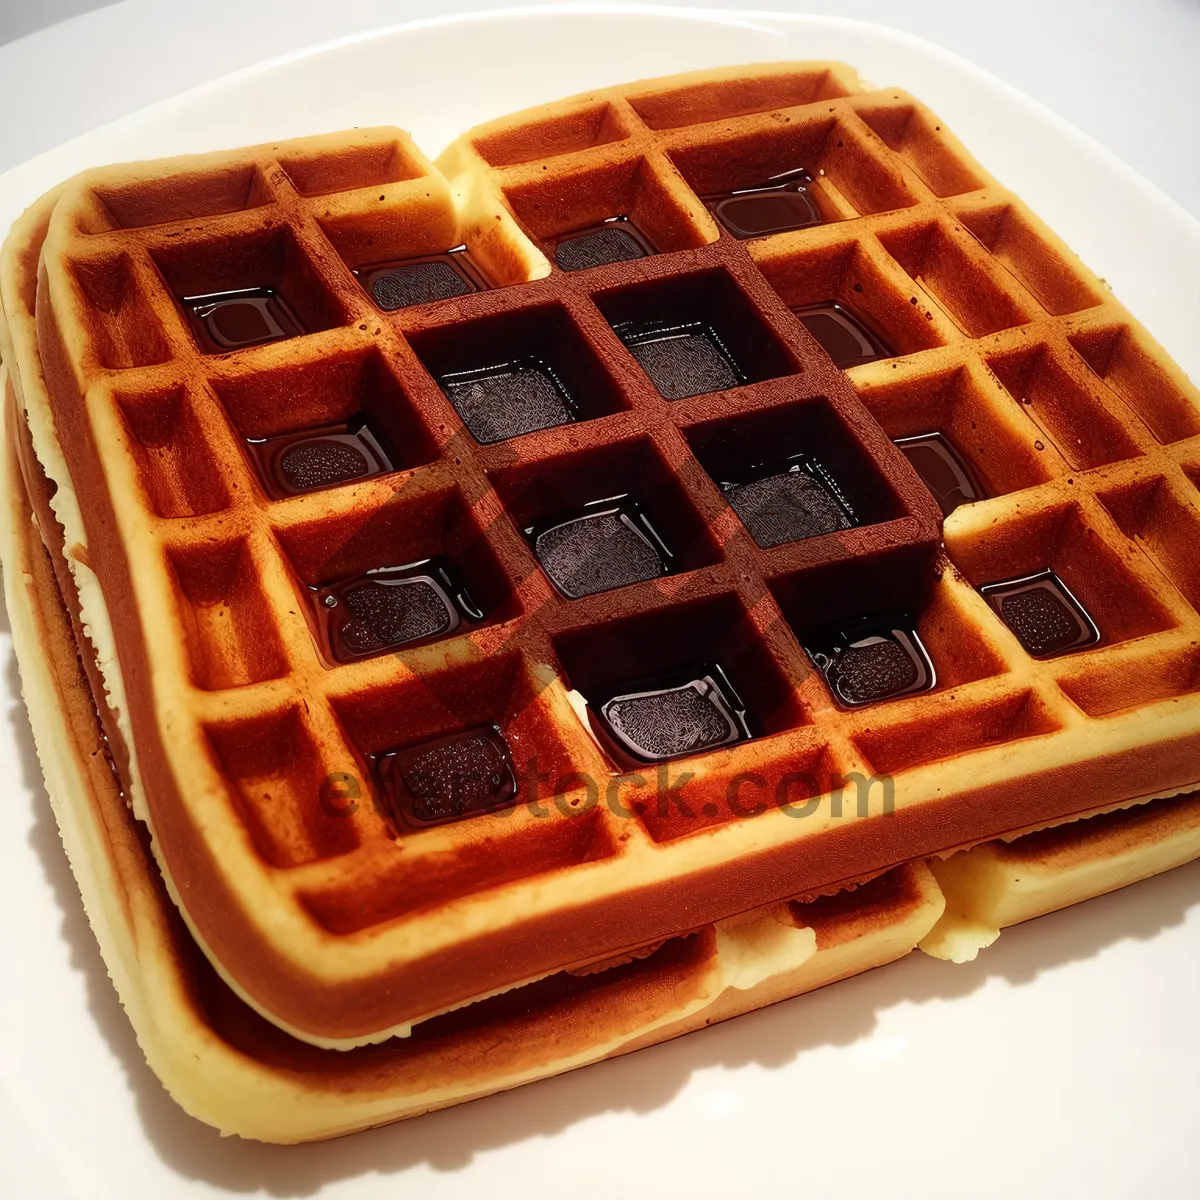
pixel 323 457
pixel 843 335
pixel 789 501
pixel 405 282
pixel 607 544
pixel 239 319
pixel 509 398
pixel 687 711
pixel 390 608
pixel 943 470
pixel 880 657
pixel 616 239
pixel 682 359
pixel 780 203
pixel 1044 614
pixel 449 778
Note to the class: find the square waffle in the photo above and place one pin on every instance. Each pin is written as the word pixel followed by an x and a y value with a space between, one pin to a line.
pixel 226 1065
pixel 278 388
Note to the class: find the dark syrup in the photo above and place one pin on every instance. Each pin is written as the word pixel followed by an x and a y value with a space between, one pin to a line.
pixel 781 203
pixel 409 281
pixel 326 456
pixel 392 607
pixel 607 544
pixel 943 470
pixel 789 500
pixel 235 320
pixel 873 658
pixel 450 778
pixel 616 239
pixel 682 359
pixel 509 398
pixel 847 339
pixel 688 711
pixel 1043 613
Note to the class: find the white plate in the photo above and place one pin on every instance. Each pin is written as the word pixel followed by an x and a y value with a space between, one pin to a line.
pixel 1063 1062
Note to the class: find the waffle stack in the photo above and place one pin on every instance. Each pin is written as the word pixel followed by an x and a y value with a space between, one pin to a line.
pixel 559 598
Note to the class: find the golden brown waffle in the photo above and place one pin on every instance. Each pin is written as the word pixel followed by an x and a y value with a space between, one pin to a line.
pixel 226 1065
pixel 249 748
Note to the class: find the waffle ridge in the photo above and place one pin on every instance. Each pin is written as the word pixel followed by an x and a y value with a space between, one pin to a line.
pixel 255 746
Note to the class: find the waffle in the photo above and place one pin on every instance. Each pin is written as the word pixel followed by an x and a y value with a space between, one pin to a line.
pixel 250 739
pixel 226 1065
pixel 1002 883
pixel 257 1082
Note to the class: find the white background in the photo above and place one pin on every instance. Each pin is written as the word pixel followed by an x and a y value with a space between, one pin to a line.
pixel 1063 1063
pixel 1127 72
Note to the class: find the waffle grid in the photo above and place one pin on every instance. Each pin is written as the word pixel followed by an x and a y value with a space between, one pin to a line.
pixel 1015 362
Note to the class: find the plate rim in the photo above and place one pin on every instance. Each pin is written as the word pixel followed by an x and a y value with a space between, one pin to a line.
pixel 750 18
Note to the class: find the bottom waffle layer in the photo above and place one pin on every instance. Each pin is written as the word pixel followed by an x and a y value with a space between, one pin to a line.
pixel 1002 883
pixel 227 1066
